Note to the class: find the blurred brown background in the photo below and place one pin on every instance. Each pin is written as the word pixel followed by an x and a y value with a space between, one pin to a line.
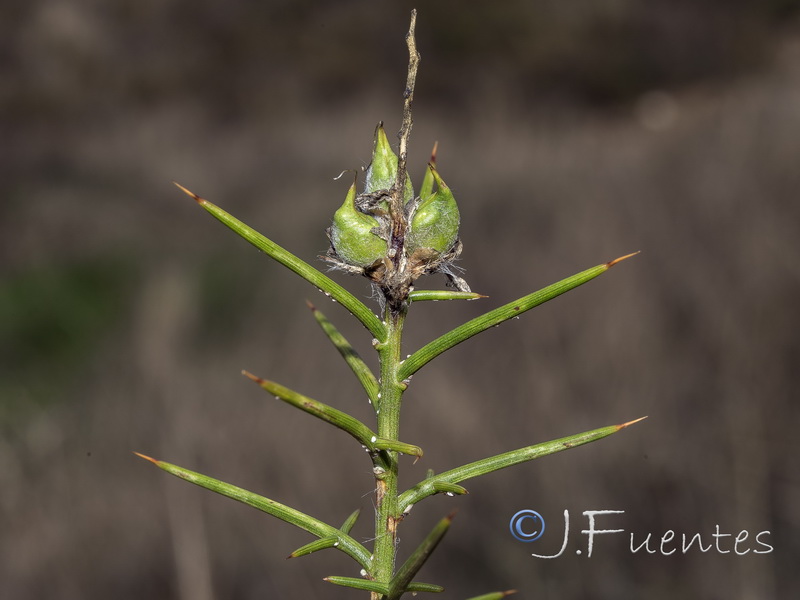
pixel 571 133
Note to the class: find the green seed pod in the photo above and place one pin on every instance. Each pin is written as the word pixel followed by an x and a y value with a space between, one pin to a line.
pixel 435 223
pixel 382 171
pixel 351 234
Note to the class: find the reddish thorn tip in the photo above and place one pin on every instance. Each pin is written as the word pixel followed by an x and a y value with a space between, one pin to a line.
pixel 311 306
pixel 249 375
pixel 144 456
pixel 624 425
pixel 509 592
pixel 433 152
pixel 192 194
pixel 621 258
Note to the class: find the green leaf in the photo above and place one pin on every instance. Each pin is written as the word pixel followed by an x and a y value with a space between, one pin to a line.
pixel 299 266
pixel 351 357
pixel 335 417
pixel 427 487
pixel 359 584
pixel 315 546
pixel 396 446
pixel 328 542
pixel 434 295
pixel 494 317
pixel 399 584
pixel 285 513
pixel 494 595
pixel 418 586
pixel 350 521
pixel 381 588
pixel 443 487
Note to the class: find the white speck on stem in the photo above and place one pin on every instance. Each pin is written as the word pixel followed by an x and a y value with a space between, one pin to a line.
pixel 373 439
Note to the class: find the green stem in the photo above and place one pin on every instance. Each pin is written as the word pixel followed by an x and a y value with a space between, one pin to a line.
pixel 391 392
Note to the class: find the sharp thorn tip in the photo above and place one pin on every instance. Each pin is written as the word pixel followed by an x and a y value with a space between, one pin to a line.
pixel 624 425
pixel 433 152
pixel 189 193
pixel 252 377
pixel 621 258
pixel 144 456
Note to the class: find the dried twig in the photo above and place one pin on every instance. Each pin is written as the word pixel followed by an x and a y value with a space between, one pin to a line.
pixel 397 210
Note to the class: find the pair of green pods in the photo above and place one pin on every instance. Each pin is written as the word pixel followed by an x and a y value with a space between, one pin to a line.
pixel 434 224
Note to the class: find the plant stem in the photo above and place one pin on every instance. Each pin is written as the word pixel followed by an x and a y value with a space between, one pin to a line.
pixel 391 392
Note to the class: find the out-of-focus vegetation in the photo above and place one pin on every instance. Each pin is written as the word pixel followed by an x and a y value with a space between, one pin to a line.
pixel 51 321
pixel 572 132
